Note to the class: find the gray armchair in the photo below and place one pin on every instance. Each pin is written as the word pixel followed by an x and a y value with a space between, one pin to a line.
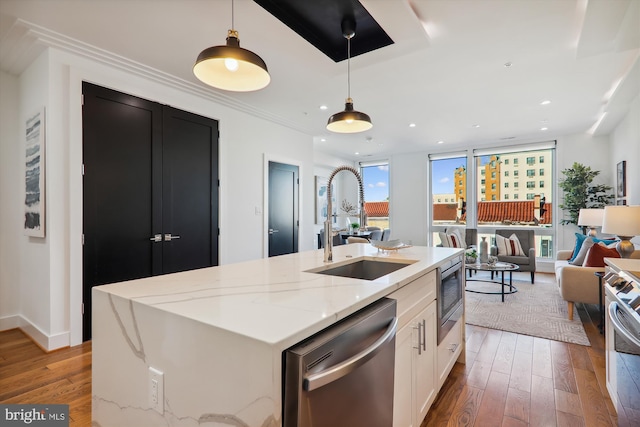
pixel 528 243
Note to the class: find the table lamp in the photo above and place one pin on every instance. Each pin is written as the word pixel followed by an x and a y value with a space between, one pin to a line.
pixel 624 222
pixel 591 218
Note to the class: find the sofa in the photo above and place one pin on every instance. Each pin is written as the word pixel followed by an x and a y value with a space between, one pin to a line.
pixel 578 283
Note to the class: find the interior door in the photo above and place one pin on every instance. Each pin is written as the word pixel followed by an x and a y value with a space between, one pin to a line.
pixel 150 190
pixel 190 191
pixel 121 140
pixel 283 209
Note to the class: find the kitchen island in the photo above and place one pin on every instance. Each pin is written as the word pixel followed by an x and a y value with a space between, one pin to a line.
pixel 204 347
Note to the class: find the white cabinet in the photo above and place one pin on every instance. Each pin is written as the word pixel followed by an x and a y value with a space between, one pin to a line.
pixel 415 364
pixel 448 351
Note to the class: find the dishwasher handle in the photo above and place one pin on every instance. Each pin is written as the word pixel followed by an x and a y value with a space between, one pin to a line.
pixel 317 380
pixel 619 327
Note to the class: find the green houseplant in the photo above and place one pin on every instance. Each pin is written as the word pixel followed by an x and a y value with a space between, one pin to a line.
pixel 579 192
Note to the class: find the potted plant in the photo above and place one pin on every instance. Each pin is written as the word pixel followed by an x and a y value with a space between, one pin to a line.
pixel 471 256
pixel 354 227
pixel 579 193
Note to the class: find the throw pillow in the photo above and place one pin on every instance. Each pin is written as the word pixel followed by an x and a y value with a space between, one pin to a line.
pixel 509 246
pixel 451 240
pixel 580 238
pixel 597 254
pixel 584 249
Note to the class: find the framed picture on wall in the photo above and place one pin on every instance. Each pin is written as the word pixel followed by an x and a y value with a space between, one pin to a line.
pixel 321 200
pixel 34 183
pixel 621 179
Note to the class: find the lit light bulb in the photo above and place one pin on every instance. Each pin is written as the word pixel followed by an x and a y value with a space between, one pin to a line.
pixel 349 121
pixel 231 64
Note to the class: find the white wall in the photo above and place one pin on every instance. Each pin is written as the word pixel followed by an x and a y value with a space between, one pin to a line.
pixel 625 145
pixel 11 203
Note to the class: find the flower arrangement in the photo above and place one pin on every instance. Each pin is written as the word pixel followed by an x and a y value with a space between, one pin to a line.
pixel 471 256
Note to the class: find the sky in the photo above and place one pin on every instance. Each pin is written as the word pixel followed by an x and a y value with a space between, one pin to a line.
pixel 442 174
pixel 376 183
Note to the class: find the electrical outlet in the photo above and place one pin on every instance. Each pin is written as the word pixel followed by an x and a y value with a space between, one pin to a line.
pixel 156 390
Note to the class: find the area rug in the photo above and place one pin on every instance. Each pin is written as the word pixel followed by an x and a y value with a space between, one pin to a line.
pixel 536 310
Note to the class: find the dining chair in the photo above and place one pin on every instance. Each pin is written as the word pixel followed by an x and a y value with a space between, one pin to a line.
pixel 354 239
pixel 386 234
pixel 376 235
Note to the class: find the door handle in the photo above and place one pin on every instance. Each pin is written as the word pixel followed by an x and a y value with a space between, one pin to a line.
pixel 420 335
pixel 156 238
pixel 314 381
pixel 619 327
pixel 271 231
pixel 169 237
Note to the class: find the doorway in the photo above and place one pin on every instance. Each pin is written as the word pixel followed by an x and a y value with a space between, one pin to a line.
pixel 150 190
pixel 283 209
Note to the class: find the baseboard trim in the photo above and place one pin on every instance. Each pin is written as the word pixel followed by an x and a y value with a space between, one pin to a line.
pixel 46 342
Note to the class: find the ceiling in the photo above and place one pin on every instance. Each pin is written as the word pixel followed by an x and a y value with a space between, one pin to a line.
pixel 465 72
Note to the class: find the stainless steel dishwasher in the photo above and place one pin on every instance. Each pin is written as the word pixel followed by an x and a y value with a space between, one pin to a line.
pixel 343 375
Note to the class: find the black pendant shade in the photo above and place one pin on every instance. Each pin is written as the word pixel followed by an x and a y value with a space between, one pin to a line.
pixel 349 120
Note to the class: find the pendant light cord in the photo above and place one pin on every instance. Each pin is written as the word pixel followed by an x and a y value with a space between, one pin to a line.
pixel 349 67
pixel 232 16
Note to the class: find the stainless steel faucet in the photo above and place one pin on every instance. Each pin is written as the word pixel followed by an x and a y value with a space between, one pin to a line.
pixel 328 229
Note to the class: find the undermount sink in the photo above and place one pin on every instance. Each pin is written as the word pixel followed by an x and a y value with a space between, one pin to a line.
pixel 365 269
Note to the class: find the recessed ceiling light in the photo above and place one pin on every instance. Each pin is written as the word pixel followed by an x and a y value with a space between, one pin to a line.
pixel 323 140
pixel 412 125
pixel 323 107
pixel 476 126
pixel 508 64
pixel 440 142
pixel 545 102
pixel 544 128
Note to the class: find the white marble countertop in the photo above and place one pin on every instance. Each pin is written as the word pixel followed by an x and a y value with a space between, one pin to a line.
pixel 275 300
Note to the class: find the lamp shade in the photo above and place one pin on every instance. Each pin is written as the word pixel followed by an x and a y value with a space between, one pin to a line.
pixel 621 220
pixel 590 217
pixel 231 67
pixel 349 120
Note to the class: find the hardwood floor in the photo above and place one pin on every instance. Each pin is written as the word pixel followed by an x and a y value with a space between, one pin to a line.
pixel 509 380
pixel 29 375
pixel 518 380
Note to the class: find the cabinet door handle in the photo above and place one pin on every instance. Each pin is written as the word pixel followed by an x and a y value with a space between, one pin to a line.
pixel 420 335
pixel 156 238
pixel 169 237
pixel 452 347
pixel 424 335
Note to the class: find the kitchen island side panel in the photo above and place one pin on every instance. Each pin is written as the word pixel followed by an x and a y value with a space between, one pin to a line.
pixel 210 376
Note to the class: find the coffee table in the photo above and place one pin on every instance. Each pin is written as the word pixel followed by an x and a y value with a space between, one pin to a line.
pixel 498 267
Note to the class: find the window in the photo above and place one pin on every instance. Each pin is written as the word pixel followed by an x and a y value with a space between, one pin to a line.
pixel 530 196
pixel 506 197
pixel 375 178
pixel 531 184
pixel 531 160
pixel 483 191
pixel 541 172
pixel 493 186
pixel 493 175
pixel 506 185
pixel 515 161
pixel 482 172
pixel 531 172
pixel 493 197
pixel 516 184
pixel 448 183
pixel 541 184
pixel 506 173
pixel 515 196
pixel 541 159
pixel 482 181
pixel 506 161
pixel 515 173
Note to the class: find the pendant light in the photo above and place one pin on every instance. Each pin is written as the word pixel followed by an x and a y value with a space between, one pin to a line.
pixel 349 120
pixel 231 67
